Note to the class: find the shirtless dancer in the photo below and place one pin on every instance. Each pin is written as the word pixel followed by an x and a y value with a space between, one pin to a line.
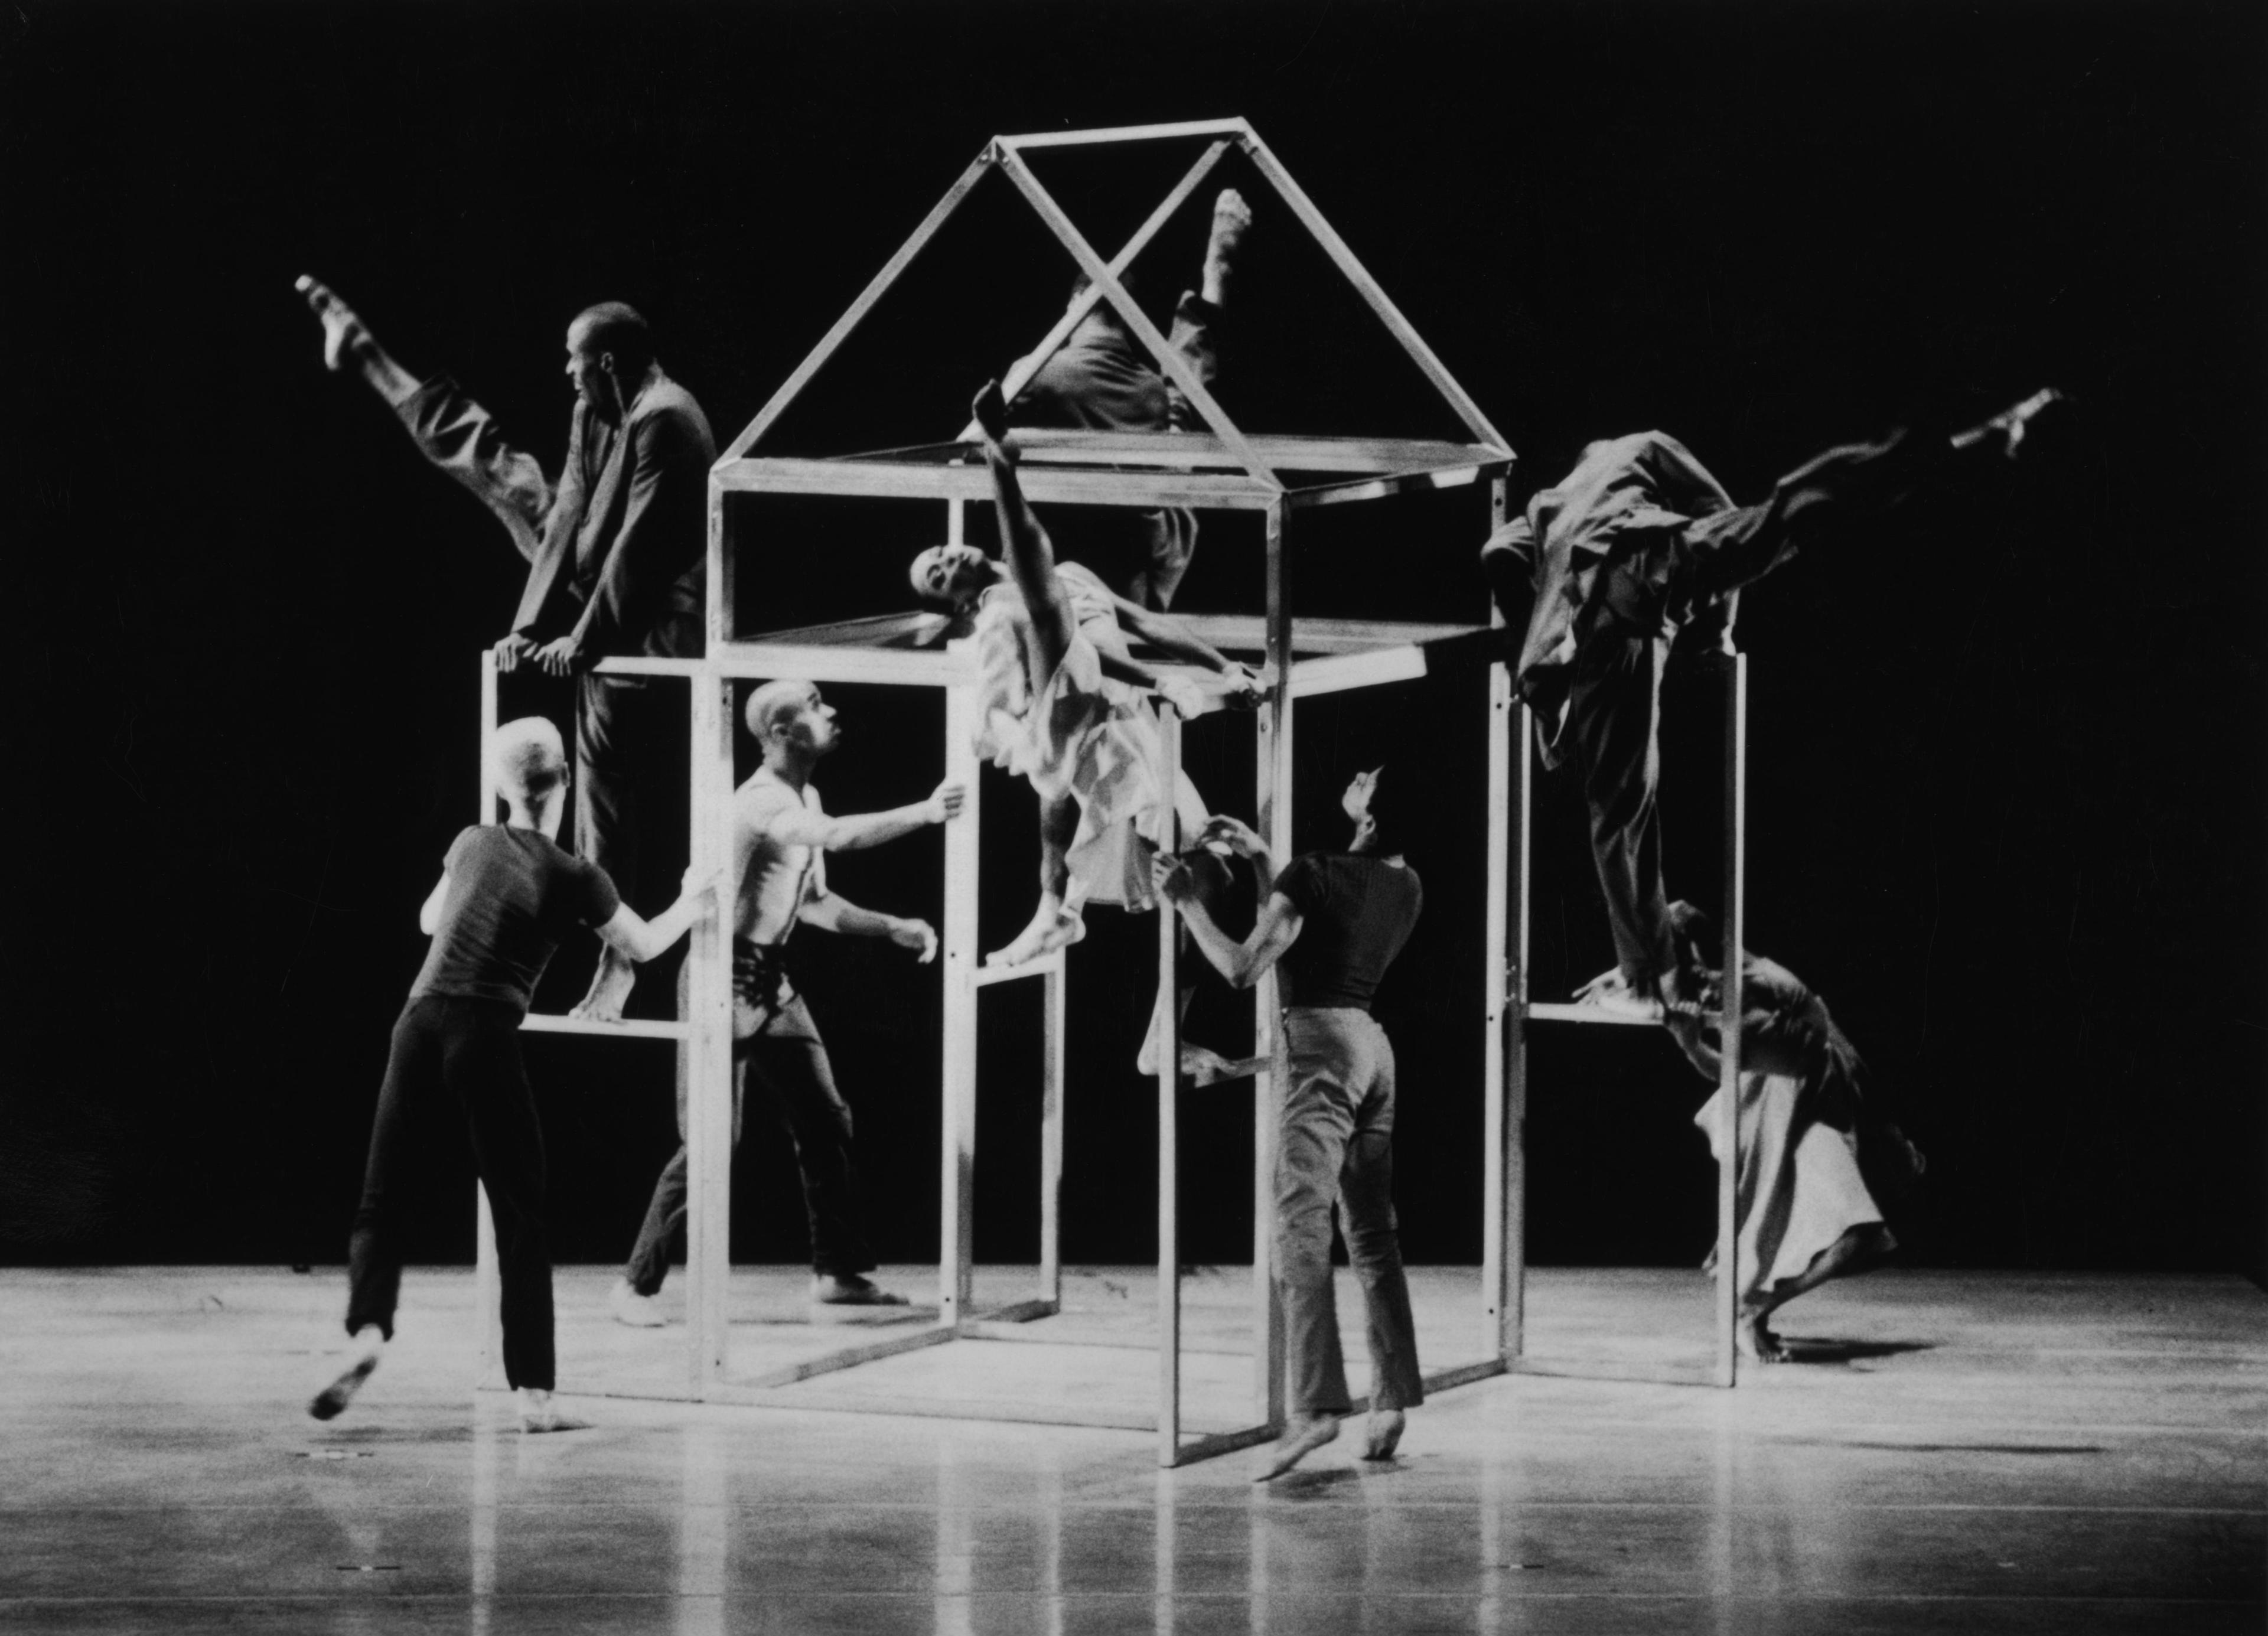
pixel 1060 703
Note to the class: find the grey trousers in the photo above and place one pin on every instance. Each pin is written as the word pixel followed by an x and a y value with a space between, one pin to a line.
pixel 1335 1143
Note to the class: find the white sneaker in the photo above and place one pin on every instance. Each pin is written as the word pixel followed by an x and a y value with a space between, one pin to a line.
pixel 640 1312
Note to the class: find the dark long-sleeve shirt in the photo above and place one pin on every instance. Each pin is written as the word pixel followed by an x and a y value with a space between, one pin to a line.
pixel 1102 379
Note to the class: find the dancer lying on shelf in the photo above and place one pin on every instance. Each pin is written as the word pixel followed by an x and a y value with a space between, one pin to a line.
pixel 507 897
pixel 1102 379
pixel 1639 546
pixel 781 837
pixel 1814 1151
pixel 1059 702
pixel 1332 923
pixel 617 565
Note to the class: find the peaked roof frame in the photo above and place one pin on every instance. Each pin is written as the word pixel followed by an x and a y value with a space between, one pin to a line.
pixel 1006 154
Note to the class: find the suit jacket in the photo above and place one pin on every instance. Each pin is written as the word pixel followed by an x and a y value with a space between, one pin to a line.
pixel 1625 497
pixel 622 562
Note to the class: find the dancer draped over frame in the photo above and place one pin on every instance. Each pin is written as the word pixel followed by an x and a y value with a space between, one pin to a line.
pixel 617 561
pixel 1639 548
pixel 1058 701
pixel 507 897
pixel 1101 379
pixel 1334 922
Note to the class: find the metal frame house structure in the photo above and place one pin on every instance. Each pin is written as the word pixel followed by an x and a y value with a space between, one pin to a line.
pixel 1222 468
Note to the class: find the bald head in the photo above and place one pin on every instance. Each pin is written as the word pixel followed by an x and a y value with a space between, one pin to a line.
pixel 528 759
pixel 775 704
pixel 617 328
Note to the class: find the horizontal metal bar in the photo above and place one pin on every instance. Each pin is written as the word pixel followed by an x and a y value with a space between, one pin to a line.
pixel 851 1357
pixel 1400 482
pixel 1126 133
pixel 1342 672
pixel 1541 1011
pixel 1454 463
pixel 1046 965
pixel 925 629
pixel 1017 1312
pixel 1249 632
pixel 879 480
pixel 540 1022
pixel 1146 1344
pixel 1213 1445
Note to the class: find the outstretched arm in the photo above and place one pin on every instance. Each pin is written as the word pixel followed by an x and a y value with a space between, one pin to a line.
pixel 641 939
pixel 851 832
pixel 1244 963
pixel 1031 557
pixel 834 913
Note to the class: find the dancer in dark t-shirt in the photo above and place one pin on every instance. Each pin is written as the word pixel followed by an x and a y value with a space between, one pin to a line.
pixel 1333 922
pixel 508 896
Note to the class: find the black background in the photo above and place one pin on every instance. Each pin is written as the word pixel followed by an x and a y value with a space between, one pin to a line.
pixel 2006 776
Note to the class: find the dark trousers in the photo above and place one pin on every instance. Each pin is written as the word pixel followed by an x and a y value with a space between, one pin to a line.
pixel 777 1046
pixel 1335 1143
pixel 630 778
pixel 1677 579
pixel 456 1062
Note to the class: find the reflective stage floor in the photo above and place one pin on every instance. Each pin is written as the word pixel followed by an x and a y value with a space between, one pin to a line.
pixel 1959 1452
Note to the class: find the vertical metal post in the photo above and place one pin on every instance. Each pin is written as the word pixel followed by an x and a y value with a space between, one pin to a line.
pixel 1272 782
pixel 717 616
pixel 1169 1165
pixel 1728 1078
pixel 488 1280
pixel 707 1044
pixel 956 1201
pixel 1497 1300
pixel 1521 767
pixel 1051 1135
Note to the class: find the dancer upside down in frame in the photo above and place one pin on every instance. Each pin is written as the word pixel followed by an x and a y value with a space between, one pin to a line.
pixel 1818 1157
pixel 1640 547
pixel 507 897
pixel 1059 700
pixel 1331 923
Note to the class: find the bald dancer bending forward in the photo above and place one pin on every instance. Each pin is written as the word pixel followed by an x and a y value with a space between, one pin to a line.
pixel 1059 700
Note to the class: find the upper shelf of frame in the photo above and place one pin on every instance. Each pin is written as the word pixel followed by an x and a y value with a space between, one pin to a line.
pixel 1145 468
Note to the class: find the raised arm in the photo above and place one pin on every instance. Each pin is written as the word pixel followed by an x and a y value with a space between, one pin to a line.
pixel 1244 963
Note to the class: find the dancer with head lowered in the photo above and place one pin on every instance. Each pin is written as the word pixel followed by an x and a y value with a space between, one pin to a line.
pixel 508 896
pixel 1059 700
pixel 781 836
pixel 1333 922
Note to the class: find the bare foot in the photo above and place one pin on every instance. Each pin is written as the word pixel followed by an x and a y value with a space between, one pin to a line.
pixel 539 1412
pixel 331 1401
pixel 1302 1436
pixel 344 336
pixel 610 989
pixel 1231 217
pixel 1384 1433
pixel 1755 1341
pixel 2010 424
pixel 1057 925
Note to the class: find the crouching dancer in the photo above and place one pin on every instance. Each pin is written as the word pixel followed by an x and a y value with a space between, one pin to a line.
pixel 1059 701
pixel 507 897
pixel 1336 921
pixel 781 837
pixel 1814 1152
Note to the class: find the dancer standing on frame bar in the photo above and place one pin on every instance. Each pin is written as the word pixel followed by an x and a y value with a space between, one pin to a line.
pixel 1636 549
pixel 507 897
pixel 781 836
pixel 617 564
pixel 1335 922
pixel 1057 702
pixel 1101 379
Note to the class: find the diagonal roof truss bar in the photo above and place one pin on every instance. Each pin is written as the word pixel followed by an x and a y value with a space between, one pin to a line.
pixel 816 360
pixel 1175 366
pixel 1357 274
